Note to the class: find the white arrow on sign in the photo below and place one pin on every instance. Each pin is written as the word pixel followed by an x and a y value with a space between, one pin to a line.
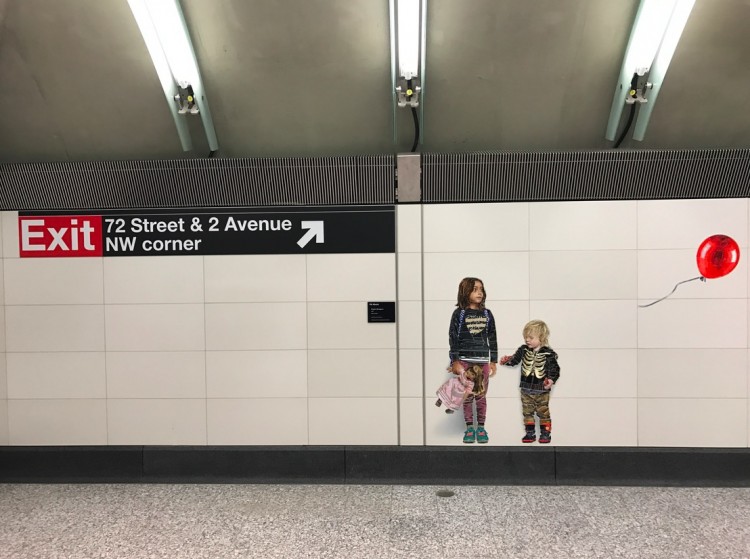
pixel 315 229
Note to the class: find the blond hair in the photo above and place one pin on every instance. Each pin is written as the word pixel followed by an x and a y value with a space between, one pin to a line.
pixel 537 328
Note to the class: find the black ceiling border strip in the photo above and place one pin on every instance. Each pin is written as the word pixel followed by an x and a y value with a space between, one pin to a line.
pixel 289 181
pixel 585 175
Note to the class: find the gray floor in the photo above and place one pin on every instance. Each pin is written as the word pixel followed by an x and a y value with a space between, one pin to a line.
pixel 217 521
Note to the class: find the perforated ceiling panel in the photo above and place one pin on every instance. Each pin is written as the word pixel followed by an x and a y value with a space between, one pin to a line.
pixel 605 175
pixel 199 183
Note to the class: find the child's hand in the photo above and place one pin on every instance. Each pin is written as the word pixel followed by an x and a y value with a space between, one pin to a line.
pixel 504 359
pixel 493 369
pixel 457 368
pixel 547 383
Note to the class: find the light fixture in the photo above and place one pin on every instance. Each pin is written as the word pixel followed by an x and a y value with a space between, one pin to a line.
pixel 407 19
pixel 409 43
pixel 165 33
pixel 653 40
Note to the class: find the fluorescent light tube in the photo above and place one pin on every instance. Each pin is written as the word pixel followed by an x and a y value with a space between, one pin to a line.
pixel 408 37
pixel 663 57
pixel 653 40
pixel 166 35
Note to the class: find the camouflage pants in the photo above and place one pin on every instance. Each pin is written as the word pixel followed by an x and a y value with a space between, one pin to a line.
pixel 538 403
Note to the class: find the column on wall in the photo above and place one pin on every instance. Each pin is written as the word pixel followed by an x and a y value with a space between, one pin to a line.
pixel 3 368
pixel 410 324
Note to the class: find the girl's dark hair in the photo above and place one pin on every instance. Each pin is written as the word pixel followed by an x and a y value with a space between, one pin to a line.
pixel 464 290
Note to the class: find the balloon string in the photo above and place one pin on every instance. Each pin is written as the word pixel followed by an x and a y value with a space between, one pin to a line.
pixel 675 289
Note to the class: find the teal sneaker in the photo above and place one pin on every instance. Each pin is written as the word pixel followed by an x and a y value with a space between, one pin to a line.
pixel 470 435
pixel 482 436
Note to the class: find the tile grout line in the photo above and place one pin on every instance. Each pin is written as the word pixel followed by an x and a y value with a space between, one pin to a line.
pixel 307 345
pixel 106 367
pixel 424 349
pixel 637 345
pixel 398 330
pixel 205 345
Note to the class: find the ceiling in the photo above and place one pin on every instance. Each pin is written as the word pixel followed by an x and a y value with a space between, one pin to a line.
pixel 290 78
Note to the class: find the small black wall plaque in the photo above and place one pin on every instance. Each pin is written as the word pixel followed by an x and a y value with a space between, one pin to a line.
pixel 381 311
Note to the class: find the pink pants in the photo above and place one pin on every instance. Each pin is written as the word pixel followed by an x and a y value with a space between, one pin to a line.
pixel 481 401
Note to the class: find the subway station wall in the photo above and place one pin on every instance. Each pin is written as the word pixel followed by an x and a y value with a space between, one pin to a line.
pixel 276 349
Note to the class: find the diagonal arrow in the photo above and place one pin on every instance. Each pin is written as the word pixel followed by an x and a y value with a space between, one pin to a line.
pixel 315 229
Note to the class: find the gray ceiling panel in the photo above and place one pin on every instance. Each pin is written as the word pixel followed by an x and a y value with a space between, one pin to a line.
pixel 82 85
pixel 296 78
pixel 312 78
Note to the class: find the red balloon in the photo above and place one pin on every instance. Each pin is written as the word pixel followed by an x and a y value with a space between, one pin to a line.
pixel 717 256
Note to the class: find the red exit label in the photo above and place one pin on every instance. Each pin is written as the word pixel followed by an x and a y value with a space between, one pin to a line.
pixel 60 235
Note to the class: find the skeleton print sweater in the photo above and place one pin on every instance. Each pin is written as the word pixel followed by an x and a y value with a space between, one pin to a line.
pixel 535 367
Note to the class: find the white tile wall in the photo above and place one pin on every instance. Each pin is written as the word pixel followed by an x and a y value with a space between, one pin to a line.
pixel 476 227
pixel 583 324
pixel 56 375
pixel 594 421
pixel 177 327
pixel 57 422
pixel 409 318
pixel 505 382
pixel 411 421
pixel 54 328
pixel 659 271
pixel 153 279
pixel 596 373
pixel 693 422
pixel 156 374
pixel 257 374
pixel 505 274
pixel 589 274
pixel 214 350
pixel 353 421
pixel 409 228
pixel 53 281
pixel 156 421
pixel 257 278
pixel 442 429
pixel 3 377
pixel 9 234
pixel 260 421
pixel 345 326
pixel 351 277
pixel 692 373
pixel 409 276
pixel 410 369
pixel 352 373
pixel 708 323
pixel 583 225
pixel 686 223
pixel 256 326
pixel 3 320
pixel 4 422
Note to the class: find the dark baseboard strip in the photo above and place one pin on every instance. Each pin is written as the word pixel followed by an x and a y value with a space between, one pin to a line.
pixel 710 467
pixel 533 465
